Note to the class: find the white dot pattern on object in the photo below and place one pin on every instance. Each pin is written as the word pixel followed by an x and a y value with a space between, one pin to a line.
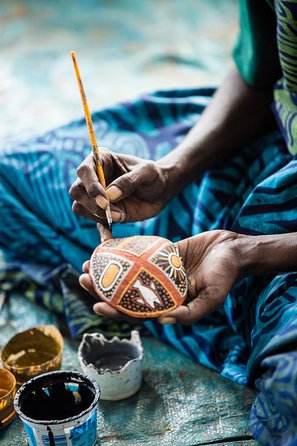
pixel 100 262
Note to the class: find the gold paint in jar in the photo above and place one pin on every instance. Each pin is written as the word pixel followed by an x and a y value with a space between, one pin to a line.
pixel 33 352
pixel 7 393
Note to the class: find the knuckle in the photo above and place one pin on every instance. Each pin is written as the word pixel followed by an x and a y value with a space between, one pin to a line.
pixel 86 166
pixel 76 191
pixel 76 208
pixel 148 172
pixel 105 152
pixel 72 191
pixel 150 166
pixel 81 170
pixel 93 189
pixel 132 178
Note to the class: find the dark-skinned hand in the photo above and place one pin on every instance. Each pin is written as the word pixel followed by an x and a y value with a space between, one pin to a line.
pixel 212 264
pixel 137 189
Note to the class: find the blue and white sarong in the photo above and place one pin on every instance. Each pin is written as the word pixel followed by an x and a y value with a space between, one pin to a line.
pixel 253 338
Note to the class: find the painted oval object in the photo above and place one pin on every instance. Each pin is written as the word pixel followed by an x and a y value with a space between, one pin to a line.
pixel 142 276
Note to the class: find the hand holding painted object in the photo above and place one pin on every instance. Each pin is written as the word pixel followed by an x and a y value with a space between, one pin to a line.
pixel 142 276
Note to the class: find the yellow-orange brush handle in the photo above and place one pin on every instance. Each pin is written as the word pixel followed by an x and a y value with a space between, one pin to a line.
pixel 89 122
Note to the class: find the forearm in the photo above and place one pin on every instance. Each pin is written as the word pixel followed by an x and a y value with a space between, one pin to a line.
pixel 235 115
pixel 266 254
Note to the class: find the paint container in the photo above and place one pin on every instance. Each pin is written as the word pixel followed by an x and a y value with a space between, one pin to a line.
pixel 59 408
pixel 7 393
pixel 32 352
pixel 115 364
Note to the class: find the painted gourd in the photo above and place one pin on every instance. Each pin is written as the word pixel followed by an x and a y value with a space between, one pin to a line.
pixel 142 276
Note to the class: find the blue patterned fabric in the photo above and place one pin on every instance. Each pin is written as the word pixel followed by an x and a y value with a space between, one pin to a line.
pixel 253 338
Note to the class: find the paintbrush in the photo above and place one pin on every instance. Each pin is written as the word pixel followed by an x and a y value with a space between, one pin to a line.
pixel 95 148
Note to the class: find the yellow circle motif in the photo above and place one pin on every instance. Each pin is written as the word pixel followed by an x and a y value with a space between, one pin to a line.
pixel 175 261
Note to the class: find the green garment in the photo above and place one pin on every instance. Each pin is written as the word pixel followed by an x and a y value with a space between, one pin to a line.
pixel 265 54
pixel 255 52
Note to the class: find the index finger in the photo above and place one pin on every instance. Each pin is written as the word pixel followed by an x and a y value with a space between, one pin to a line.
pixel 87 174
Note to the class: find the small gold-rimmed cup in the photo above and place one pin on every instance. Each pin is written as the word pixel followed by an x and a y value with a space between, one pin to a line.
pixel 33 352
pixel 7 393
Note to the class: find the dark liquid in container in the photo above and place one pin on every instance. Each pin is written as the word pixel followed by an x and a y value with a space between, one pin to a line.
pixel 56 401
pixel 112 362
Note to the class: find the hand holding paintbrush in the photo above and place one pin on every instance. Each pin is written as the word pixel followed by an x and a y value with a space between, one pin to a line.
pixel 95 149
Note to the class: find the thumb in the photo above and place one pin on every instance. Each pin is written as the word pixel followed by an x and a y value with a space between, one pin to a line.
pixel 127 184
pixel 186 314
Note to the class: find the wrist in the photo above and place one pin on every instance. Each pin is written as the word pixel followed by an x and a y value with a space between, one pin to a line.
pixel 172 173
pixel 185 163
pixel 264 254
pixel 248 251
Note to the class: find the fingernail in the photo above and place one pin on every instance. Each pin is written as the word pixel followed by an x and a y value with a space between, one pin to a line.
pixel 117 216
pixel 114 193
pixel 167 320
pixel 85 265
pixel 97 311
pixel 99 314
pixel 102 202
pixel 83 286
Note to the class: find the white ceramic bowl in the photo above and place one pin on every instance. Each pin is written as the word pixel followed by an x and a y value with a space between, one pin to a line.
pixel 115 364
